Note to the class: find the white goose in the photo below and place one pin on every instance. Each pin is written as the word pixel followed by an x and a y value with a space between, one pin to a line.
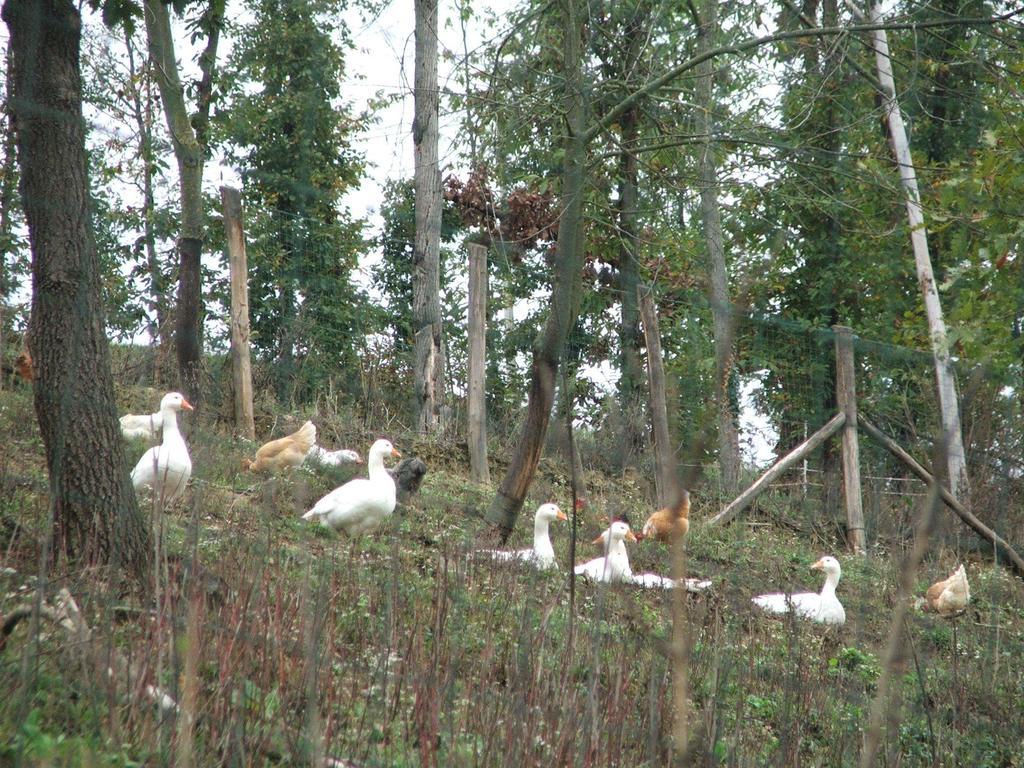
pixel 317 454
pixel 542 555
pixel 625 574
pixel 823 607
pixel 134 426
pixel 166 468
pixel 614 566
pixel 359 505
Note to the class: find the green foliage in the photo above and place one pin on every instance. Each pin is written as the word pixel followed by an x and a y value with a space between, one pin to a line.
pixel 289 134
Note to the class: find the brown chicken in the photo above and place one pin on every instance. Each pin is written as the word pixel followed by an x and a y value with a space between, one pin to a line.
pixel 23 366
pixel 949 596
pixel 669 523
pixel 285 452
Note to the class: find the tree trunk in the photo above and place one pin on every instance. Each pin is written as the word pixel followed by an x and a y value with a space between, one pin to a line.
pixel 187 135
pixel 956 459
pixel 565 292
pixel 428 368
pixel 728 431
pixel 93 505
pixel 142 113
pixel 477 324
pixel 665 475
pixel 8 190
pixel 238 271
pixel 631 379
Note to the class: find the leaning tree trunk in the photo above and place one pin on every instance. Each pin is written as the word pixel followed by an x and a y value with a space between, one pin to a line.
pixel 428 366
pixel 956 458
pixel 187 137
pixel 722 323
pixel 94 508
pixel 565 292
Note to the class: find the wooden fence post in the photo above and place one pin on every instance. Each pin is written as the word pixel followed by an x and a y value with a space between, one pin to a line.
pixel 241 367
pixel 846 398
pixel 477 416
pixel 664 457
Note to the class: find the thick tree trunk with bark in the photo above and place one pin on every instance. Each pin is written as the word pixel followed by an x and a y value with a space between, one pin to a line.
pixel 187 139
pixel 94 507
pixel 565 293
pixel 728 431
pixel 428 364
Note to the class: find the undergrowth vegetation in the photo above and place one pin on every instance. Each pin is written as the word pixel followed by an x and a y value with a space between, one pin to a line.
pixel 283 643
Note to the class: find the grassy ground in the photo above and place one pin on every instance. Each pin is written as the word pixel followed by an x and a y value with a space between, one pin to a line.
pixel 290 645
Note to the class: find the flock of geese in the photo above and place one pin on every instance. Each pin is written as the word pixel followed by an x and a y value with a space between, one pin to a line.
pixel 361 504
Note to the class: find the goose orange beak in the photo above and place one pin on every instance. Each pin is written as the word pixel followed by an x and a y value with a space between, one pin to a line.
pixel 818 565
pixel 630 536
pixel 186 405
pixel 561 515
pixel 395 453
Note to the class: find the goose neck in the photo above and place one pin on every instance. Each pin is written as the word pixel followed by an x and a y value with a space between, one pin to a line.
pixel 375 465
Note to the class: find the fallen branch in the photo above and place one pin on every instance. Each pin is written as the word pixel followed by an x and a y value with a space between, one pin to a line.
pixel 1003 547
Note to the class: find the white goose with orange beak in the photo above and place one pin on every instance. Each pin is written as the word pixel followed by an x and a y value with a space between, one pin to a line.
pixel 614 566
pixel 166 468
pixel 360 505
pixel 542 555
pixel 823 607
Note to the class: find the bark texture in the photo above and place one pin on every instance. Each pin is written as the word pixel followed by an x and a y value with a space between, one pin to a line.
pixel 956 457
pixel 728 431
pixel 187 139
pixel 96 516
pixel 428 362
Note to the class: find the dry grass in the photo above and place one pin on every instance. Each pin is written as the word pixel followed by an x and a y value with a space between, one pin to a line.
pixel 283 644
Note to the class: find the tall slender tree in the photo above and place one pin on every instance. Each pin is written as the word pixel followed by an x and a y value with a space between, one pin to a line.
pixel 188 138
pixel 93 504
pixel 718 285
pixel 428 367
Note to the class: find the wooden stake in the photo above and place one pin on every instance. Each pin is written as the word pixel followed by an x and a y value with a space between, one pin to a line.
pixel 1002 546
pixel 846 398
pixel 664 457
pixel 477 416
pixel 241 367
pixel 787 461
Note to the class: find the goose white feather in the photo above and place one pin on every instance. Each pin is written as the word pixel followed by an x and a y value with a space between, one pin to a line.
pixel 823 607
pixel 542 555
pixel 317 454
pixel 360 505
pixel 165 469
pixel 614 566
pixel 134 426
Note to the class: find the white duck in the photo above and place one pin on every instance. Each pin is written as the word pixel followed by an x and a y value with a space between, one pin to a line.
pixel 166 468
pixel 614 566
pixel 317 454
pixel 134 426
pixel 645 580
pixel 823 607
pixel 359 505
pixel 542 555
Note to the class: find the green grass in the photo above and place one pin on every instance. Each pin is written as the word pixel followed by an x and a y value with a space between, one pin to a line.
pixel 399 649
